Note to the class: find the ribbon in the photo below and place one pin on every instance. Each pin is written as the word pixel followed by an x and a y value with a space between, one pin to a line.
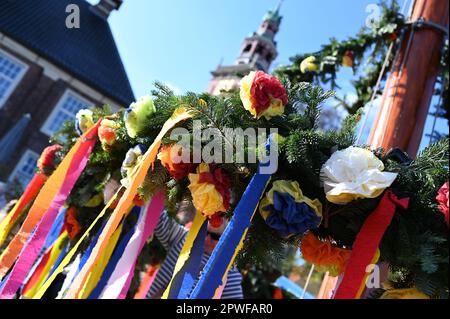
pixel 27 197
pixel 72 252
pixel 50 199
pixel 146 282
pixel 232 239
pixel 53 256
pixel 136 177
pixel 365 248
pixel 30 252
pixel 51 238
pixel 120 280
pixel 97 270
pixel 188 261
pixel 36 270
pixel 118 252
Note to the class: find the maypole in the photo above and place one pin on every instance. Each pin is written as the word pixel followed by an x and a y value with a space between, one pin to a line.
pixel 409 88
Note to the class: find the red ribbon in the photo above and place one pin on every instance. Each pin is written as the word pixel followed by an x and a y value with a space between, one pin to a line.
pixel 366 244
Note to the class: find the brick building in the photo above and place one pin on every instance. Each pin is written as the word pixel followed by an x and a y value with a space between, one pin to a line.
pixel 50 71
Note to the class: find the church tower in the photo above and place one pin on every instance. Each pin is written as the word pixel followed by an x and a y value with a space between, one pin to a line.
pixel 257 53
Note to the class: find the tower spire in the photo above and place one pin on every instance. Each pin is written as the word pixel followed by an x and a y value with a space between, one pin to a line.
pixel 280 2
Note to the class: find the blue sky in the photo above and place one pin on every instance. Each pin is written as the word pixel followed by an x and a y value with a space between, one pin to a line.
pixel 179 42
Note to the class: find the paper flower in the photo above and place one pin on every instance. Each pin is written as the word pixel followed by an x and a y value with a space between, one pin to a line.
pixel 309 65
pixel 47 159
pixel 107 133
pixel 324 255
pixel 354 173
pixel 136 115
pixel 263 95
pixel 347 59
pixel 442 199
pixel 288 211
pixel 71 223
pixel 84 121
pixel 216 220
pixel 177 170
pixel 132 158
pixel 406 293
pixel 210 189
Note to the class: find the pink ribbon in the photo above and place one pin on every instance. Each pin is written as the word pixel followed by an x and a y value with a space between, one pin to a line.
pixel 120 280
pixel 32 248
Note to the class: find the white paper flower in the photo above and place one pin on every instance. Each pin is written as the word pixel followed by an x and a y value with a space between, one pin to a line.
pixel 354 173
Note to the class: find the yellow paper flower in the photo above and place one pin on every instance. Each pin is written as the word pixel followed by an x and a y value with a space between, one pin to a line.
pixel 354 173
pixel 205 195
pixel 309 65
pixel 407 293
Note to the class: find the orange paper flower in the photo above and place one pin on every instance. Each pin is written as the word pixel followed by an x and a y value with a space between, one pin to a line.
pixel 323 254
pixel 177 170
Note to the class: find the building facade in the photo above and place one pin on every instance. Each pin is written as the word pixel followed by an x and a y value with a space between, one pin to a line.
pixel 257 52
pixel 49 70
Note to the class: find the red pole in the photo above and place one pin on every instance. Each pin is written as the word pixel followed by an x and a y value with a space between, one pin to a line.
pixel 409 88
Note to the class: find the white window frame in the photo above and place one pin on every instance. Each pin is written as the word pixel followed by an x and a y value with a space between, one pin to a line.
pixel 17 80
pixel 45 127
pixel 21 162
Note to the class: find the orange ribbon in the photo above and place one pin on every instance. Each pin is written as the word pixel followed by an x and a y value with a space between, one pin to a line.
pixel 43 201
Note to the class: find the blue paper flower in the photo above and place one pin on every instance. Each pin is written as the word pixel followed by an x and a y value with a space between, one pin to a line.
pixel 288 211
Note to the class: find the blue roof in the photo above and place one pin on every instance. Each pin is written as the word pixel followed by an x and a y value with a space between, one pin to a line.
pixel 89 53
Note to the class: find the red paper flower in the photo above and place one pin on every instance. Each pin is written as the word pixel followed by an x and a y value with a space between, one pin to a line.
pixel 71 223
pixel 177 170
pixel 46 161
pixel 216 220
pixel 442 199
pixel 263 95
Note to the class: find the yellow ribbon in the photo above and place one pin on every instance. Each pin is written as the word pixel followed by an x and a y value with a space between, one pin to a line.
pixel 126 201
pixel 186 251
pixel 97 271
pixel 72 252
pixel 363 283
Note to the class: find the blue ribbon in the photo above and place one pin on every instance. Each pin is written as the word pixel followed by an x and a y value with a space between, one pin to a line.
pixel 95 294
pixel 184 280
pixel 215 268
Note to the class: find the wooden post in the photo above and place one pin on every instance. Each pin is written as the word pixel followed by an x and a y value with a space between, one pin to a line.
pixel 406 99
